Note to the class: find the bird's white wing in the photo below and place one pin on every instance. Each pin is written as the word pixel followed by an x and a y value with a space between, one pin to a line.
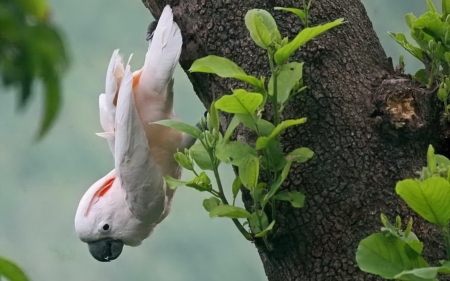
pixel 113 77
pixel 107 108
pixel 139 174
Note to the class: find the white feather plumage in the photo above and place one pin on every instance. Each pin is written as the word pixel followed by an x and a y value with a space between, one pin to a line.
pixel 133 197
pixel 162 56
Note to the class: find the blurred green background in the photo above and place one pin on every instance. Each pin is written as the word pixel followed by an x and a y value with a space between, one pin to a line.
pixel 41 183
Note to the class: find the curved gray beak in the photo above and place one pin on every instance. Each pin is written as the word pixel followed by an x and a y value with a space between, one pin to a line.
pixel 106 249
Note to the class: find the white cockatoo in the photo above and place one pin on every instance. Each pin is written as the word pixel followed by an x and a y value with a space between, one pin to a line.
pixel 123 207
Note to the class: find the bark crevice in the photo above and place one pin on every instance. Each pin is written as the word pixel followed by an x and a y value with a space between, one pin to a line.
pixel 405 109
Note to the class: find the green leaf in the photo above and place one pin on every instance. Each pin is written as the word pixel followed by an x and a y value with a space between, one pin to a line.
pixel 421 76
pixel 211 140
pixel 211 203
pixel 431 6
pixel 262 142
pixel 276 159
pixel 431 160
pixel 385 221
pixel 448 175
pixel 32 50
pixel 289 76
pixel 236 186
pixel 258 222
pixel 442 160
pixel 442 95
pixel 256 123
pixel 411 239
pixel 410 19
pixel 445 268
pixel 301 39
pixel 173 183
pixel 424 174
pixel 296 198
pixel 52 103
pixel 249 171
pixel 231 127
pixel 248 121
pixel 426 273
pixel 415 245
pixel 445 8
pixel 428 31
pixel 213 118
pixel 409 228
pixel 183 160
pixel 240 101
pixel 386 256
pixel 276 185
pixel 430 198
pixel 234 152
pixel 265 231
pixel 265 127
pixel 229 212
pixel 259 193
pixel 300 13
pixel 183 127
pixel 201 157
pixel 400 38
pixel 224 68
pixel 39 8
pixel 300 155
pixel 263 28
pixel 447 59
pixel 202 182
pixel 407 236
pixel 11 271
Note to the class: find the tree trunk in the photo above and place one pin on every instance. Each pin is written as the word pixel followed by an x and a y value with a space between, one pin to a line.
pixel 367 127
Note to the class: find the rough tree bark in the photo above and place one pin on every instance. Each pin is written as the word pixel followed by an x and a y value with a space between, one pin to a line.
pixel 368 127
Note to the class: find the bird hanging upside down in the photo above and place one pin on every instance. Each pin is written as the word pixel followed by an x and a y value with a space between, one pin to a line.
pixel 123 207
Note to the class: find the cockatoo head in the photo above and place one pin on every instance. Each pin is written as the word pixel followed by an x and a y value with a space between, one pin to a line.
pixel 105 222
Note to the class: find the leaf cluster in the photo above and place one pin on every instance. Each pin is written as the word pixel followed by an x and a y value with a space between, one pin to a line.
pixel 31 49
pixel 397 254
pixel 266 156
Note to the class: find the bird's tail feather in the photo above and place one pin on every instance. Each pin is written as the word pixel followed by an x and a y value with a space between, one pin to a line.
pixel 162 55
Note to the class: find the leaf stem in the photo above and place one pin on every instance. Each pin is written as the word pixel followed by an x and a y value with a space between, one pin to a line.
pixel 267 243
pixel 273 203
pixel 236 222
pixel 432 76
pixel 195 172
pixel 276 117
pixel 274 98
pixel 305 8
pixel 221 194
pixel 214 192
pixel 264 151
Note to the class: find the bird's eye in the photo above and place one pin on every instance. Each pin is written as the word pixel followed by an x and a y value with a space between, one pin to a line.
pixel 104 227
